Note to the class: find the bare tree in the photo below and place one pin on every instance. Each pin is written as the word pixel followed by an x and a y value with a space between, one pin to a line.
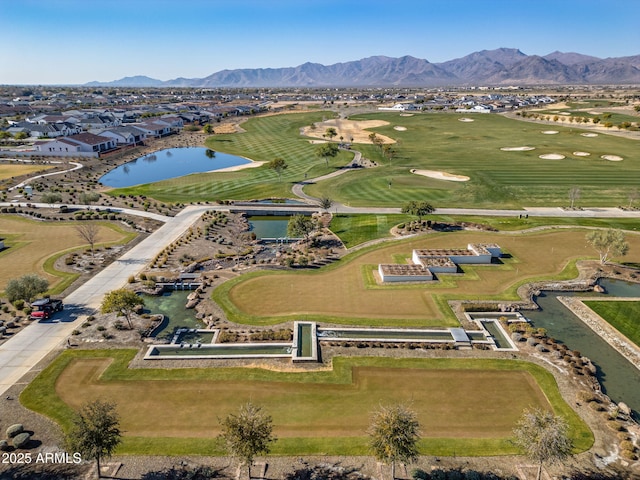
pixel 88 231
pixel 543 437
pixel 633 196
pixel 574 194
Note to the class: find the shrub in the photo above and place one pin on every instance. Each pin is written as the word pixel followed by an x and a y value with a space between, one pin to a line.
pixel 118 325
pixel 75 332
pixel 19 304
pixel 14 430
pixel 628 454
pixel 419 474
pixel 101 328
pixel 21 440
pixel 585 396
pixel 627 445
pixel 131 279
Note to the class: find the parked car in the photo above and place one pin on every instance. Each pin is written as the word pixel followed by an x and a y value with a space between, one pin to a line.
pixel 44 308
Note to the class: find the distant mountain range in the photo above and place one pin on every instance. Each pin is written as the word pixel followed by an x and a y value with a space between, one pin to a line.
pixel 503 66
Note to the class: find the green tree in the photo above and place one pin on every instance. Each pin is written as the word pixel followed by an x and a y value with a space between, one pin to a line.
pixel 330 132
pixel 608 243
pixel 95 432
pixel 278 165
pixel 51 198
pixel 393 435
pixel 208 128
pixel 300 226
pixel 121 301
pixel 20 135
pixel 247 434
pixel 543 437
pixel 419 209
pixel 325 203
pixel 26 287
pixel 326 151
pixel 87 198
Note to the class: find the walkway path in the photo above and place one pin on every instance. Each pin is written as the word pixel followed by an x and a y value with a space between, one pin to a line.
pixel 28 180
pixel 25 349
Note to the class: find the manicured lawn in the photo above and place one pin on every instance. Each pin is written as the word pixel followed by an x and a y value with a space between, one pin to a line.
pixel 499 179
pixel 176 411
pixel 432 141
pixel 347 293
pixel 265 138
pixel 623 316
pixel 356 229
pixel 33 246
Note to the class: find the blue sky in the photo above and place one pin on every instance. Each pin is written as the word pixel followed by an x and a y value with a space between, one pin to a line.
pixel 77 41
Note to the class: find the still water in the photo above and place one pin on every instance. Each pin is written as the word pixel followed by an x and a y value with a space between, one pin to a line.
pixel 169 163
pixel 620 380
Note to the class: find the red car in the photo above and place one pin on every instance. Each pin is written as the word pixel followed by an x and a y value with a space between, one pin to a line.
pixel 45 307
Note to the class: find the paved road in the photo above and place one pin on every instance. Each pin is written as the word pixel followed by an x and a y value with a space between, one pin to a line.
pixel 25 349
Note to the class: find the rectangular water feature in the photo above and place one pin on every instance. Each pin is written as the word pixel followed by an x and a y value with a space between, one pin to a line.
pixel 385 335
pixel 219 351
pixel 305 342
pixel 500 338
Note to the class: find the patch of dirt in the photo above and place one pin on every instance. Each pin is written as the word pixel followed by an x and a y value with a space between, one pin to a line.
pixel 350 130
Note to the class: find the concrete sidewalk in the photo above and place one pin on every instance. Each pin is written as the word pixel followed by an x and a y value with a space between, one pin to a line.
pixel 24 350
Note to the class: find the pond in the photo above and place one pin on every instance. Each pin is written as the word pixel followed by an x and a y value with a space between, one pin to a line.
pixel 269 226
pixel 171 305
pixel 618 377
pixel 169 163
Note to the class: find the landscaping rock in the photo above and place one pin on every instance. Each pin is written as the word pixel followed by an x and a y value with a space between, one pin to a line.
pixel 624 408
pixel 14 430
pixel 21 440
pixel 4 445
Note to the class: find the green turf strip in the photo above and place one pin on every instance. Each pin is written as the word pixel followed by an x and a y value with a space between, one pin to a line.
pixel 623 316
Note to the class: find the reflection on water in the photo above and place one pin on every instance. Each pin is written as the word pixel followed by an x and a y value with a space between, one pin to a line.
pixel 169 163
pixel 620 380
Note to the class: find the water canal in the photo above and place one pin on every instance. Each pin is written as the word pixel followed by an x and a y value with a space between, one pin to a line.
pixel 620 379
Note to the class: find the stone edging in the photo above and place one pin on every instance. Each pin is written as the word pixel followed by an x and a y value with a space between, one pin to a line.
pixel 602 328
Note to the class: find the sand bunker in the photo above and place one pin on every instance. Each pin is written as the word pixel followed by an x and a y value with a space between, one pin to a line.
pixel 315 142
pixel 517 149
pixel 465 120
pixel 406 114
pixel 552 156
pixel 550 132
pixel 349 130
pixel 612 158
pixel 237 168
pixel 589 135
pixel 400 129
pixel 564 113
pixel 440 175
pixel 581 154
